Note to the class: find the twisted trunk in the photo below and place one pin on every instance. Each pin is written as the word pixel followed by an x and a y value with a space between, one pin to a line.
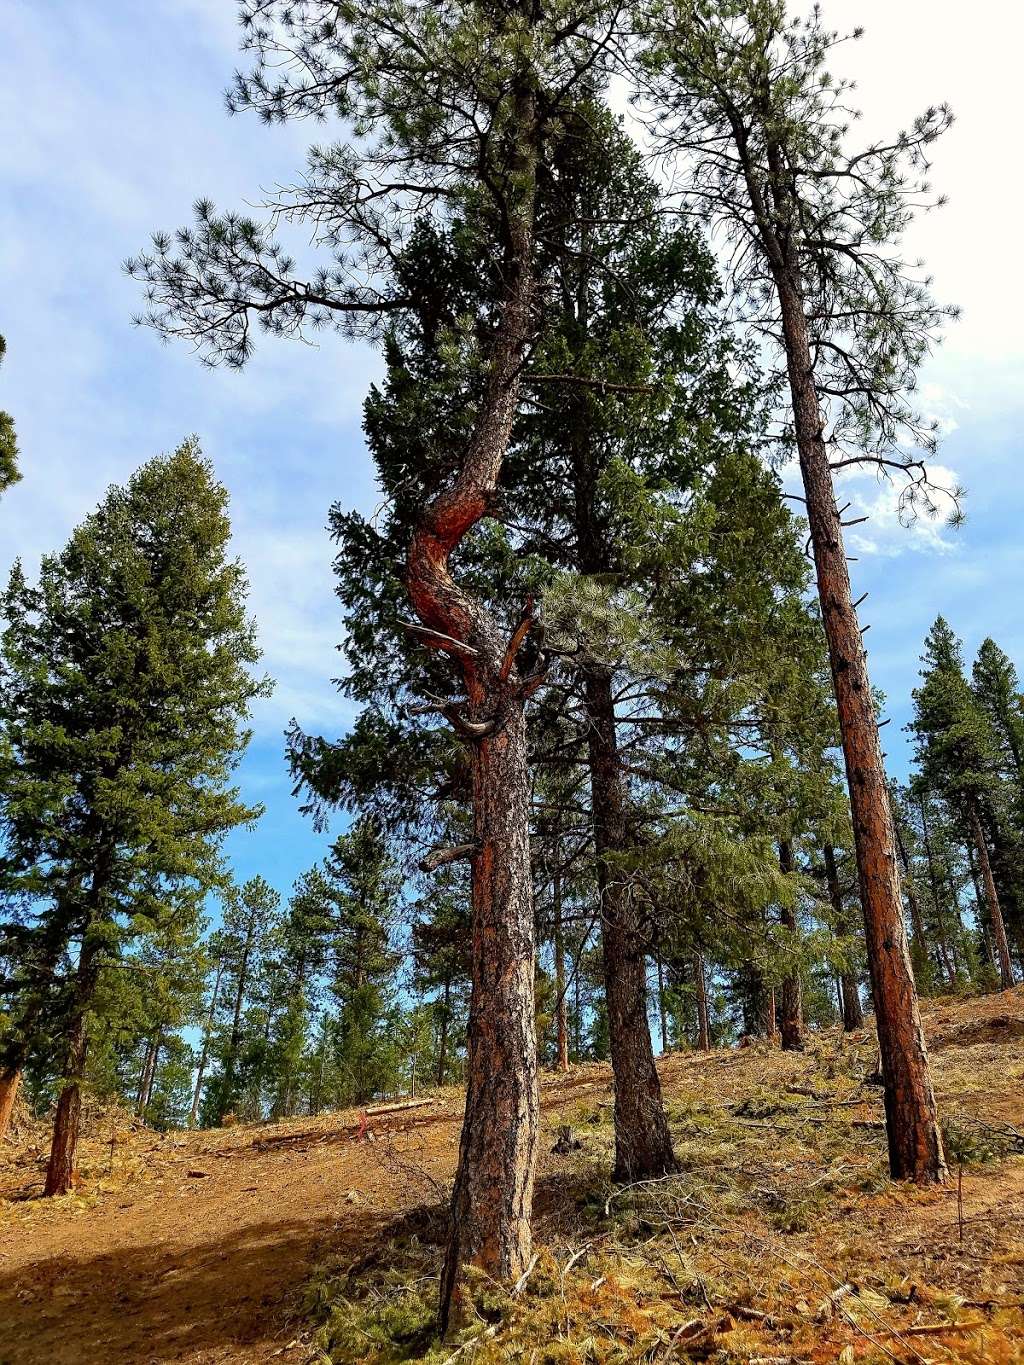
pixel 493 1192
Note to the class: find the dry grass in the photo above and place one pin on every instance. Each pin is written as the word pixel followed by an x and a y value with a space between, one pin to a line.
pixel 782 1239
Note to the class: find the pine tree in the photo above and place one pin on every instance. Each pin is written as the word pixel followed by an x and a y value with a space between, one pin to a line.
pixel 124 694
pixel 9 473
pixel 365 887
pixel 958 754
pixel 743 96
pixel 997 690
pixel 244 940
pixel 460 115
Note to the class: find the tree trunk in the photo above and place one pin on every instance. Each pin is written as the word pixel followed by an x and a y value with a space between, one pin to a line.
pixel 62 1170
pixel 442 1040
pixel 662 1009
pixel 10 1080
pixel 700 982
pixel 561 1020
pixel 493 1192
pixel 849 991
pixel 148 1073
pixel 791 1024
pixel 205 1051
pixel 912 1127
pixel 643 1143
pixel 995 914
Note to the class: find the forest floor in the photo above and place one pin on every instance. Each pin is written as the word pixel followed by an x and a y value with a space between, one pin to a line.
pixel 780 1241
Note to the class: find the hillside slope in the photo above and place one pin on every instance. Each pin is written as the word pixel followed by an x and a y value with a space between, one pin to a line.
pixel 780 1241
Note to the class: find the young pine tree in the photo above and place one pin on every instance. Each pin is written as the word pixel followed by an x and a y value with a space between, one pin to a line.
pixel 958 754
pixel 125 686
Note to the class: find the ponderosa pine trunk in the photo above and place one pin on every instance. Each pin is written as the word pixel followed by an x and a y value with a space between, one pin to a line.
pixel 995 913
pixel 700 983
pixel 790 1015
pixel 643 1143
pixel 10 1081
pixel 493 1192
pixel 561 1010
pixel 62 1169
pixel 912 1126
pixel 849 990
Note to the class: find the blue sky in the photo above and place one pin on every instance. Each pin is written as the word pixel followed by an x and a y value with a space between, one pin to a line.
pixel 114 124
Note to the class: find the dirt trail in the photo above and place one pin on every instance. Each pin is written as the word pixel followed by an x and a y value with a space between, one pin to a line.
pixel 196 1247
pixel 197 1258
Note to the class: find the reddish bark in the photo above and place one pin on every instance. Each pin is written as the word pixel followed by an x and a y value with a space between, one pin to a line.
pixel 493 1191
pixel 643 1143
pixel 912 1127
pixel 10 1080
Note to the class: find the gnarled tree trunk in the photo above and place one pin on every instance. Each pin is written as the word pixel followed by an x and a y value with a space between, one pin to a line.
pixel 493 1192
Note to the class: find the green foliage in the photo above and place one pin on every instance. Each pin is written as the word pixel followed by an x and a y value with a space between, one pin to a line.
pixel 9 472
pixel 125 687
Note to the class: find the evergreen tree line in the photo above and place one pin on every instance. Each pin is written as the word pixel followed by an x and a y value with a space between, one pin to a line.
pixel 617 755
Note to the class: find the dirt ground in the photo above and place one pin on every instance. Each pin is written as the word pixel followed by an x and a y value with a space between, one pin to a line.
pixel 196 1247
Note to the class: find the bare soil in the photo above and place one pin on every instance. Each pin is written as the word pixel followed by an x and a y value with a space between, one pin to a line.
pixel 196 1247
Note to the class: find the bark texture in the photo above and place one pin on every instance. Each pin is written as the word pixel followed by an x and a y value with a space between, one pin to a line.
pixel 912 1127
pixel 62 1170
pixel 493 1192
pixel 10 1080
pixel 643 1143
